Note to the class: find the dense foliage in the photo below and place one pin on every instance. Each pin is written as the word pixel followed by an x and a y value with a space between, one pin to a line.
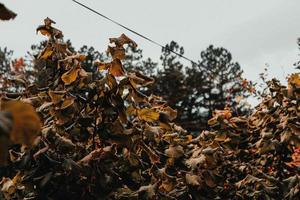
pixel 102 138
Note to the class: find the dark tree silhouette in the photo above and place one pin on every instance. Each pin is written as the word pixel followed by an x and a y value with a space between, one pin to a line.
pixel 170 81
pixel 224 81
pixel 134 61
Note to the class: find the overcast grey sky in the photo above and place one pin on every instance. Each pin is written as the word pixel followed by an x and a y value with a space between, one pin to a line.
pixel 256 32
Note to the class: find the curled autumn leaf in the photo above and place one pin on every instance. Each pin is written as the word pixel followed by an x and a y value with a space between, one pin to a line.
pixel 220 115
pixel 56 96
pixel 174 151
pixel 116 52
pixel 67 103
pixel 138 79
pixel 123 39
pixel 71 75
pixel 192 179
pixel 116 68
pixel 48 30
pixel 46 53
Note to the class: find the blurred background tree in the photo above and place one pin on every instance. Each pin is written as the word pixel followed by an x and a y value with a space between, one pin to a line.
pixel 224 83
pixel 5 70
pixel 196 90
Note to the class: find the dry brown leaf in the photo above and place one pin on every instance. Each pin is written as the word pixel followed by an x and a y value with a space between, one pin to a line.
pixel 116 52
pixel 192 179
pixel 8 187
pixel 174 151
pixel 44 30
pixel 67 103
pixel 56 96
pixel 152 155
pixel 123 39
pixel 116 68
pixel 46 53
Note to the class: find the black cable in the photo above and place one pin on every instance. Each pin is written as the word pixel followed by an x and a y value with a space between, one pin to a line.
pixel 134 32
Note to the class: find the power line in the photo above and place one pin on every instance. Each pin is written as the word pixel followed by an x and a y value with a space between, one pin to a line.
pixel 134 32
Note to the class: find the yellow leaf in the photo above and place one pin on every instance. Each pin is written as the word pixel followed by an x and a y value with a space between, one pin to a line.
pixel 70 76
pixel 294 79
pixel 102 65
pixel 131 110
pixel 46 53
pixel 148 115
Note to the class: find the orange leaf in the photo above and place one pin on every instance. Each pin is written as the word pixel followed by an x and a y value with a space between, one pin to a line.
pixel 70 76
pixel 102 65
pixel 116 68
pixel 116 52
pixel 46 53
pixel 26 122
pixel 295 157
pixel 294 79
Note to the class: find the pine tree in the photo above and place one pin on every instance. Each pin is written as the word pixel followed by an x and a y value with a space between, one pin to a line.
pixel 224 83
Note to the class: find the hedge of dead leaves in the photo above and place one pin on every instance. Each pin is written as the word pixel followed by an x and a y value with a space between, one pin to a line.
pixel 104 139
